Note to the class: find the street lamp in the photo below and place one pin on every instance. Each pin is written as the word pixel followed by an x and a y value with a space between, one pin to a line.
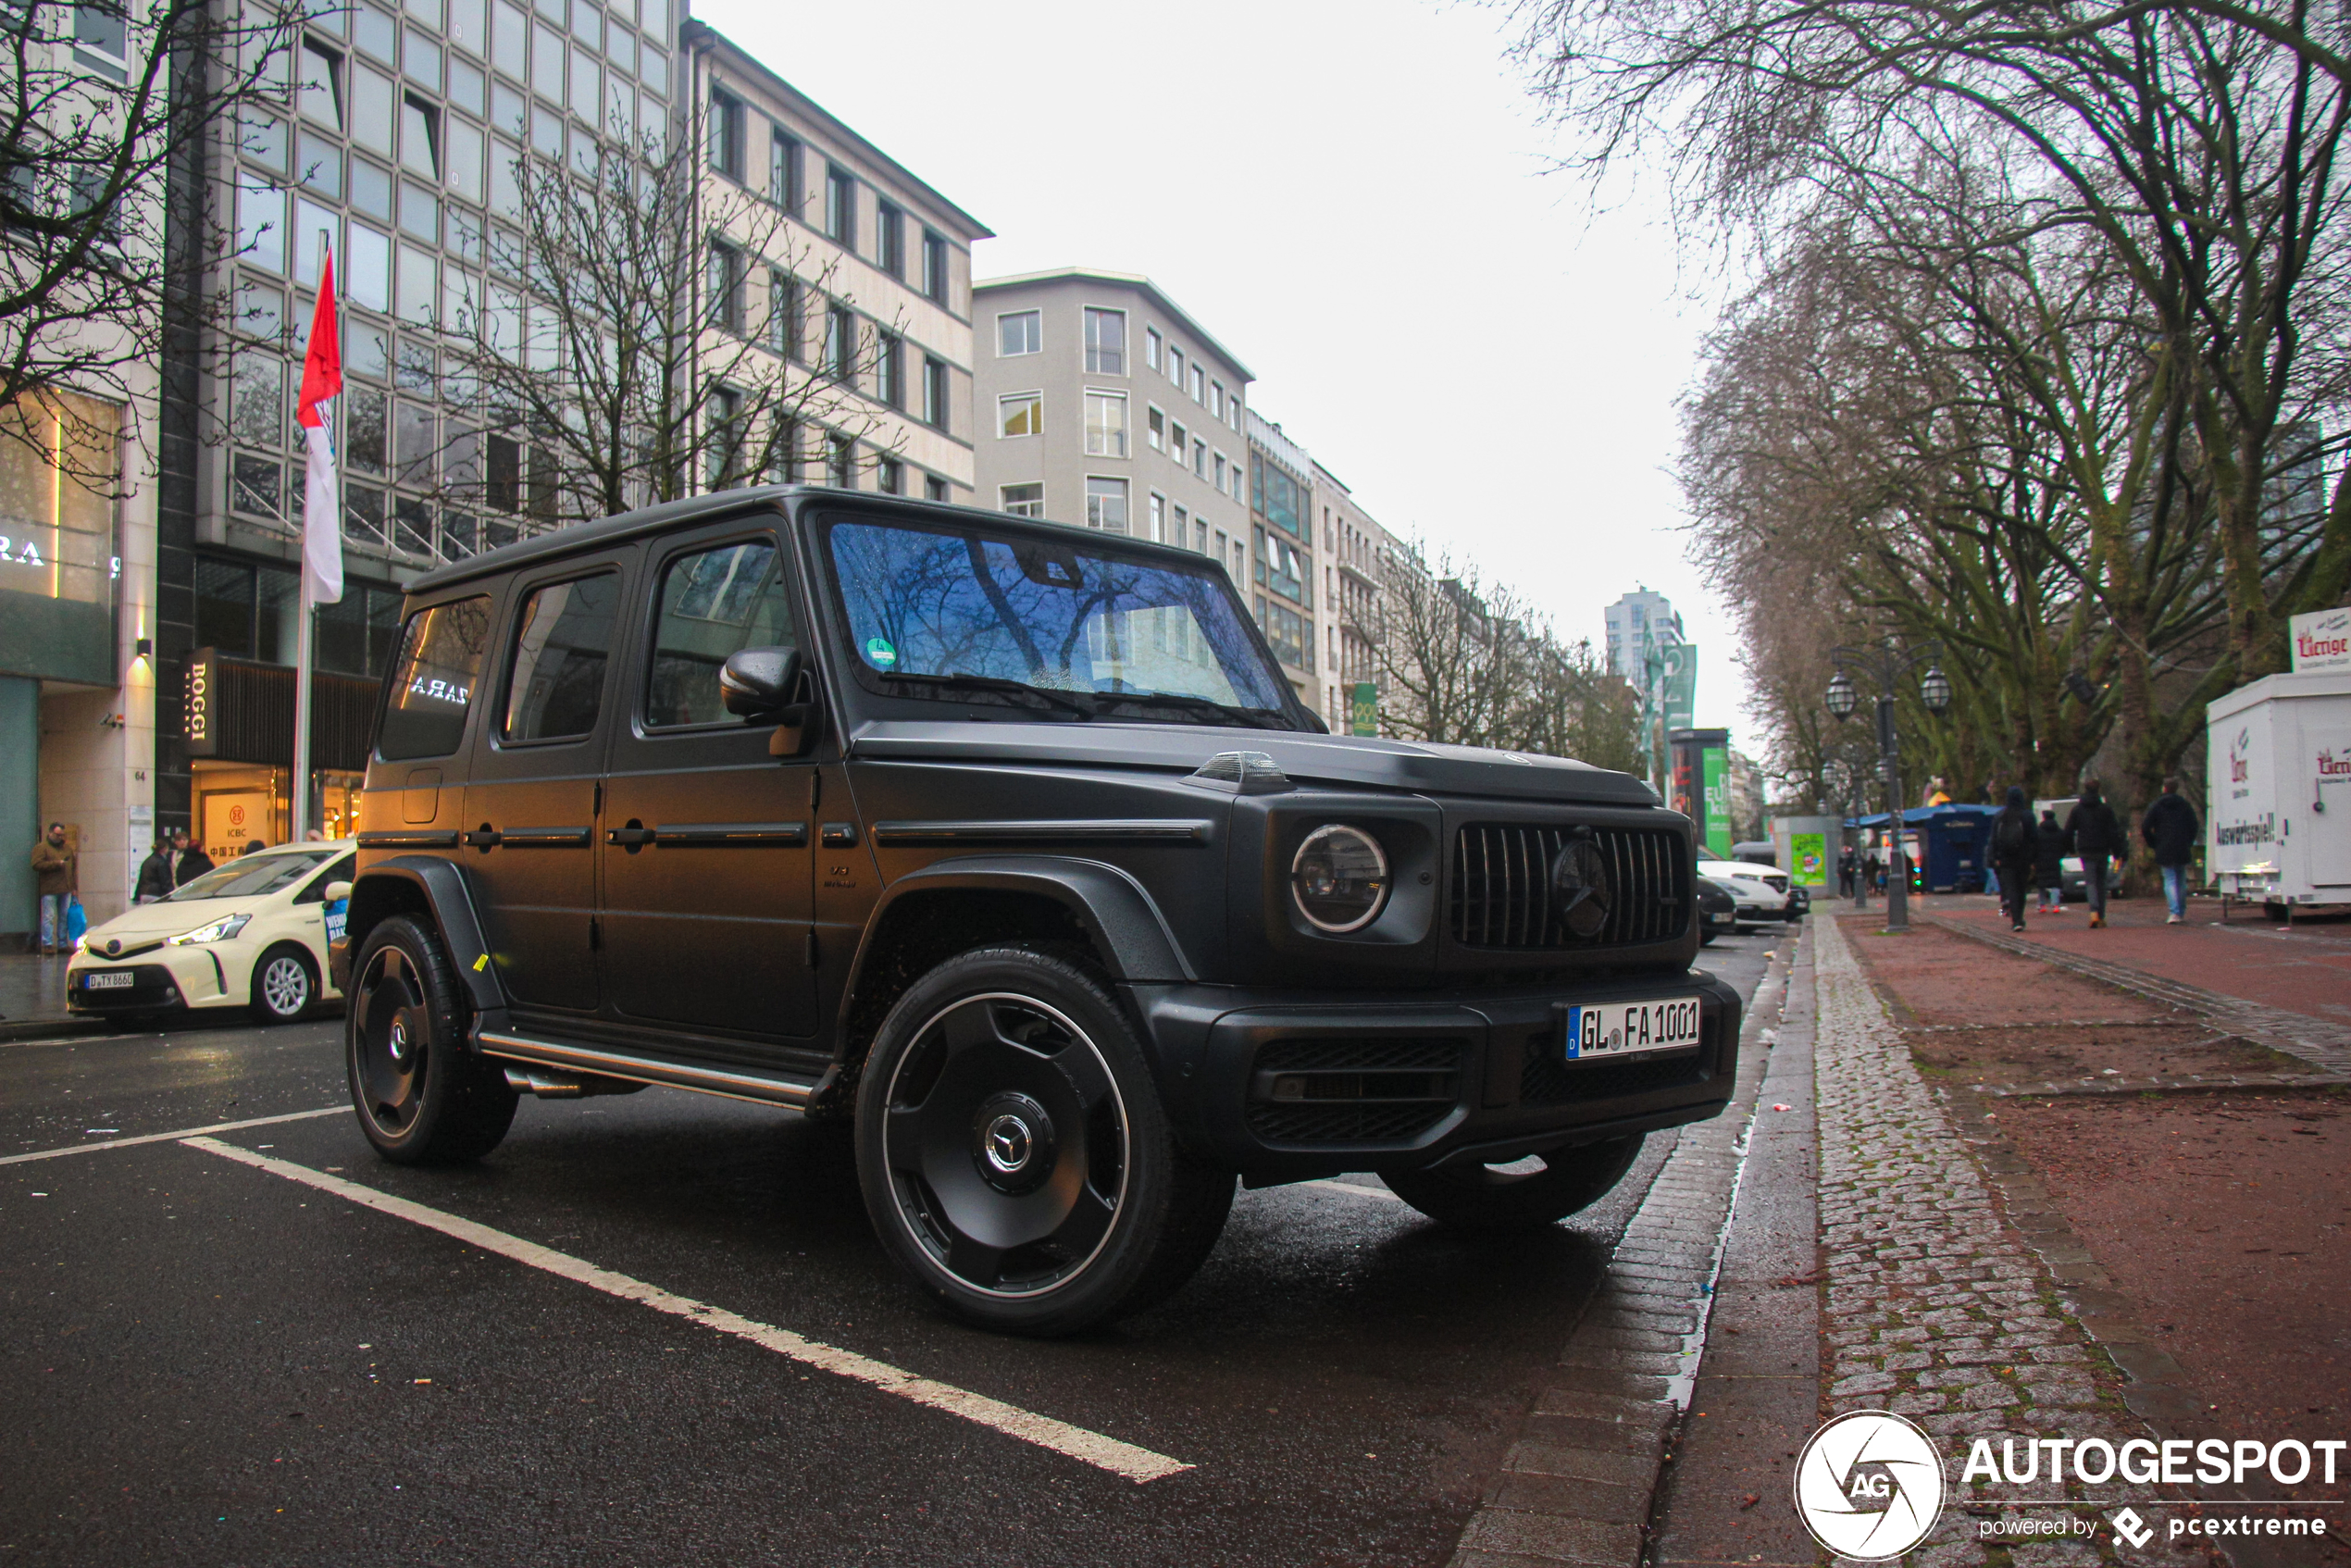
pixel 1885 665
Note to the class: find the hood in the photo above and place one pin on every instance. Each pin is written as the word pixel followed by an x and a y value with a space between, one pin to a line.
pixel 1415 766
pixel 150 922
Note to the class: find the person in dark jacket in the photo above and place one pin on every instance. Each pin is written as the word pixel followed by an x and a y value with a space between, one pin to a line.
pixel 2014 843
pixel 2097 839
pixel 193 862
pixel 1846 869
pixel 2172 831
pixel 155 874
pixel 2050 847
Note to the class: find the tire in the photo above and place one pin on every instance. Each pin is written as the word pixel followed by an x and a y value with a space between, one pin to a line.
pixel 423 1097
pixel 1014 1154
pixel 1480 1197
pixel 285 986
pixel 1706 939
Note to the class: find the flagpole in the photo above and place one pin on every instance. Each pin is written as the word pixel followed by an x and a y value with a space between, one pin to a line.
pixel 305 629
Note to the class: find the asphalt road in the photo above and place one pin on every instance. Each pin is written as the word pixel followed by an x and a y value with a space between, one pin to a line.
pixel 204 1362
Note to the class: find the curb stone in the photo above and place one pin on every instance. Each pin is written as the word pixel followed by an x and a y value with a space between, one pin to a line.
pixel 1579 1484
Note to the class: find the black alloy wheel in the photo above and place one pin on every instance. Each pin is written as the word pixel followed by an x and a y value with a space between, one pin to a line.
pixel 1014 1155
pixel 1530 1194
pixel 423 1097
pixel 285 987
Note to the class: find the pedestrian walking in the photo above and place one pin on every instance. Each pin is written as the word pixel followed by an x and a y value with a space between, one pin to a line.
pixel 2049 862
pixel 155 874
pixel 2013 846
pixel 192 862
pixel 1846 872
pixel 56 872
pixel 2097 837
pixel 2171 830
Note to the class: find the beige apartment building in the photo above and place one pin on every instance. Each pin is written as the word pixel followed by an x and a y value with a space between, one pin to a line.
pixel 1357 553
pixel 1103 406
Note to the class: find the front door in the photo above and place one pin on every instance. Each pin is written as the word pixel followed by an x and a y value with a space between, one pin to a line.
pixel 529 825
pixel 706 836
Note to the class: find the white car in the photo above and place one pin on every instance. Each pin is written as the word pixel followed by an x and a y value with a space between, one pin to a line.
pixel 250 933
pixel 1762 891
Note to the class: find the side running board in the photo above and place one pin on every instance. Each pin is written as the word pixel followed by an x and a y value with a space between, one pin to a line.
pixel 765 1088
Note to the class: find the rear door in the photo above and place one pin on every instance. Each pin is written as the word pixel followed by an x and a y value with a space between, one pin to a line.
pixel 531 814
pixel 706 841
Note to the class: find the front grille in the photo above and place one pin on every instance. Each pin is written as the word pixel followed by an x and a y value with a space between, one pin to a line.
pixel 151 987
pixel 1549 1080
pixel 1502 892
pixel 1353 1091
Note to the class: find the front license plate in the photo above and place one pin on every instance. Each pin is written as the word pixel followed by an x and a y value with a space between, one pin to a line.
pixel 1631 1029
pixel 106 980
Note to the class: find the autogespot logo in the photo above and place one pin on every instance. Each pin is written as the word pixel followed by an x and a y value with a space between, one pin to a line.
pixel 1869 1485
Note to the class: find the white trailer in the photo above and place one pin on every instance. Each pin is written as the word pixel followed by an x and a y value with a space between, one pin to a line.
pixel 2279 831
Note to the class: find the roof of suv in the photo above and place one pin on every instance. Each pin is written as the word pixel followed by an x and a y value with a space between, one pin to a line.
pixel 673 513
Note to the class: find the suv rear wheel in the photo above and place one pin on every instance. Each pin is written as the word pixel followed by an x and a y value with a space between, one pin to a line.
pixel 1509 1198
pixel 423 1098
pixel 1014 1154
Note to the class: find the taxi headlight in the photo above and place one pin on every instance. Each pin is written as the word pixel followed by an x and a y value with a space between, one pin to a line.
pixel 1339 878
pixel 219 930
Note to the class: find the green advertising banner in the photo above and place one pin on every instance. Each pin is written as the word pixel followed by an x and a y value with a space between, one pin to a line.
pixel 1680 697
pixel 1363 716
pixel 1811 853
pixel 1718 802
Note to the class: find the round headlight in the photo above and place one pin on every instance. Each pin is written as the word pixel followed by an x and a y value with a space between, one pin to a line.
pixel 1340 878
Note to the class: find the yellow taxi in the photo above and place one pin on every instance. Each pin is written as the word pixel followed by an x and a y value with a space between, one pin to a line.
pixel 251 933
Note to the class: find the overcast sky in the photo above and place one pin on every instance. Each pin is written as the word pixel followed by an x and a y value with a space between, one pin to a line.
pixel 1354 196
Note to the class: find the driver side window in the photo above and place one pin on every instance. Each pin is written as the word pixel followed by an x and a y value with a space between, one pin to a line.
pixel 713 603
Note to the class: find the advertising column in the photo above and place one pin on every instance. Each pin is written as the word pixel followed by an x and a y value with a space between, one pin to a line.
pixel 1700 785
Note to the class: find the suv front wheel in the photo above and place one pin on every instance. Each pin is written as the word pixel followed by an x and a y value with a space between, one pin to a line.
pixel 1014 1154
pixel 423 1097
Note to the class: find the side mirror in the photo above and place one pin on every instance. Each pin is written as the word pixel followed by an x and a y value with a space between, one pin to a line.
pixel 757 683
pixel 336 892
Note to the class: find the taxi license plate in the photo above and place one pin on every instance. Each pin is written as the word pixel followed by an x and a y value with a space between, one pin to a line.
pixel 1629 1028
pixel 107 980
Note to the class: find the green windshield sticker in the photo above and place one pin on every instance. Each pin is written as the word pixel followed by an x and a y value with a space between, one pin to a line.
pixel 879 653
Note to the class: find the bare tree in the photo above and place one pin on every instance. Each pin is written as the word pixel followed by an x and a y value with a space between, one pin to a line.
pixel 103 97
pixel 649 333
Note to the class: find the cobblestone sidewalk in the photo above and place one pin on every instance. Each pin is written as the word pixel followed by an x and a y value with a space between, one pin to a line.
pixel 1935 1308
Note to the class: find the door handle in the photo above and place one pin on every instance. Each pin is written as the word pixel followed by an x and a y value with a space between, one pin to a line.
pixel 481 838
pixel 631 837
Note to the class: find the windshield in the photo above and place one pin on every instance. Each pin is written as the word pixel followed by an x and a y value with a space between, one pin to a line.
pixel 255 875
pixel 952 614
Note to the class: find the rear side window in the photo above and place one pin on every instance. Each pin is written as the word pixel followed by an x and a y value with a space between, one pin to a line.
pixel 432 680
pixel 563 640
pixel 714 604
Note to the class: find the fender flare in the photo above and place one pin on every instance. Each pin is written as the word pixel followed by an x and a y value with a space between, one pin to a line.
pixel 448 895
pixel 1126 926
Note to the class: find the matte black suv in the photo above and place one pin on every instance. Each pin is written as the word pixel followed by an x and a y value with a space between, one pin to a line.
pixel 1010 844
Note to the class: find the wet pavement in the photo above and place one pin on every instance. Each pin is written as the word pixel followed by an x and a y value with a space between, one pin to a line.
pixel 206 1362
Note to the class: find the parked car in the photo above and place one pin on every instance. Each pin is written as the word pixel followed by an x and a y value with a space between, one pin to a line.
pixel 252 933
pixel 1761 892
pixel 1010 845
pixel 1718 910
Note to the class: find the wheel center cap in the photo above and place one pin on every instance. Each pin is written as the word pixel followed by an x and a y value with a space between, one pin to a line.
pixel 1013 1142
pixel 399 1041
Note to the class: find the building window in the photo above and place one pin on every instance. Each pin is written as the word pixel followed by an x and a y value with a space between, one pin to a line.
pixel 1219 479
pixel 318 85
pixel 1198 380
pixel 1106 504
pixel 1105 341
pixel 1155 430
pixel 1217 400
pixel 935 392
pixel 783 172
pixel 841 343
pixel 783 452
pixel 1179 527
pixel 890 238
pixel 783 315
pixel 934 266
pixel 841 461
pixel 889 476
pixel 1175 439
pixel 840 206
pixel 1021 332
pixel 1158 516
pixel 726 134
pixel 1175 366
pixel 1199 457
pixel 722 447
pixel 1153 346
pixel 934 488
pixel 890 371
pixel 727 288
pixel 1020 414
pixel 1022 500
pixel 1105 424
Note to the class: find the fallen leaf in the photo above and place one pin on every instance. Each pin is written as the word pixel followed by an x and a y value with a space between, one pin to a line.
pixel 1749 1501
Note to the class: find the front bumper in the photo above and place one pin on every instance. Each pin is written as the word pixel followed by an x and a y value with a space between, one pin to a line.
pixel 164 976
pixel 1440 1077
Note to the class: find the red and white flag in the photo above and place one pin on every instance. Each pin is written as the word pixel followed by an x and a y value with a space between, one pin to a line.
pixel 322 497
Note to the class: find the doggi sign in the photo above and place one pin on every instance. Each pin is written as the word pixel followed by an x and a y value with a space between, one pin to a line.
pixel 2321 640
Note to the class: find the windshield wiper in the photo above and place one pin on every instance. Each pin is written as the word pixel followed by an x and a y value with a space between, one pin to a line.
pixel 1253 719
pixel 1067 701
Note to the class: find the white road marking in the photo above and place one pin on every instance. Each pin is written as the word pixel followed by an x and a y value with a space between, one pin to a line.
pixel 172 1136
pixel 1351 1189
pixel 1137 1464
